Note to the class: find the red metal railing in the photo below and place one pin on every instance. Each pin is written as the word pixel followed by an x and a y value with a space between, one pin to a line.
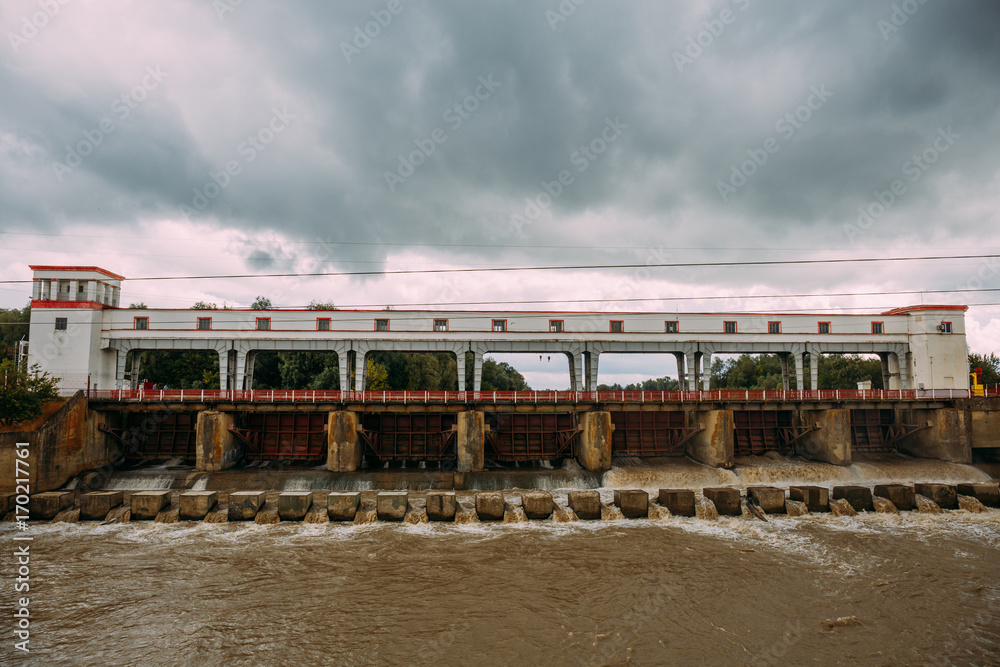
pixel 530 397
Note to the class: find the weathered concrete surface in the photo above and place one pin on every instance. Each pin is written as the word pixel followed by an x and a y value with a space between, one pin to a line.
pixel 6 503
pixel 884 505
pixel 244 505
pixel 816 498
pixel 860 497
pixel 489 506
pixel 713 446
pixel 537 504
pixel 901 495
pixel 470 440
pixel 796 508
pixel 726 499
pixel 344 446
pixel 216 448
pixel 342 506
pixel 970 504
pixel 634 503
pixel 391 505
pixel 95 506
pixel 195 505
pixel 945 495
pixel 984 427
pixel 945 440
pixel 680 502
pixel 831 443
pixel 147 504
pixel 927 506
pixel 441 505
pixel 65 445
pixel 770 499
pixel 987 494
pixel 294 505
pixel 593 445
pixel 47 504
pixel 585 504
pixel 840 507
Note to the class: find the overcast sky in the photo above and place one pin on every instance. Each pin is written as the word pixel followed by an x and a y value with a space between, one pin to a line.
pixel 197 138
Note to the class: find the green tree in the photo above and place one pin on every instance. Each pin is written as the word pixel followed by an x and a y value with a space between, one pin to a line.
pixel 178 369
pixel 138 306
pixel 13 327
pixel 202 305
pixel 261 303
pixel 990 365
pixel 24 392
pixel 321 305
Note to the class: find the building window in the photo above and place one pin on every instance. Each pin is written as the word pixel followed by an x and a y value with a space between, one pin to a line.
pixel 322 324
pixel 60 324
pixel 499 325
pixel 263 324
pixel 440 325
pixel 555 326
pixel 205 323
pixel 824 327
pixel 876 327
pixel 381 325
pixel 140 323
pixel 617 326
pixel 672 326
pixel 729 327
pixel 944 327
pixel 774 327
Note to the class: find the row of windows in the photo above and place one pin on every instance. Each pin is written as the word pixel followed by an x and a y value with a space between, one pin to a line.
pixel 499 326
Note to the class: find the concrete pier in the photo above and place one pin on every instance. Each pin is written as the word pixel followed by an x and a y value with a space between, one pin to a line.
pixel 593 446
pixel 49 503
pixel 987 494
pixel 391 505
pixel 342 506
pixel 585 504
pixel 195 505
pixel 831 442
pixel 945 495
pixel 244 505
pixel 344 447
pixel 634 503
pixel 726 500
pixel 945 440
pixel 537 504
pixel 96 505
pixel 680 502
pixel 470 440
pixel 147 504
pixel 713 446
pixel 770 499
pixel 216 447
pixel 900 495
pixel 816 498
pixel 294 505
pixel 860 497
pixel 441 505
pixel 489 506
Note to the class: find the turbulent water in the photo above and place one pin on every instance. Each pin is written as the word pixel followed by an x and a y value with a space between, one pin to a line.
pixel 873 590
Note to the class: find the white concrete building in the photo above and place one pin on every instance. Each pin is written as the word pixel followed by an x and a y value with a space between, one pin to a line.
pixel 80 334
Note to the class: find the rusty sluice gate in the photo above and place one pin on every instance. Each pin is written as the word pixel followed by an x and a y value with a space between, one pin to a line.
pixel 650 433
pixel 877 430
pixel 410 437
pixel 156 435
pixel 529 437
pixel 757 432
pixel 284 435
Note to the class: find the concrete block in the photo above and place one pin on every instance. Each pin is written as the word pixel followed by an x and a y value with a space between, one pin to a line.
pixel 713 446
pixel 470 440
pixel 147 504
pixel 244 505
pixel 96 505
pixel 771 499
pixel 987 494
pixel 46 505
pixel 816 498
pixel 344 447
pixel 537 504
pixel 726 500
pixel 944 495
pixel 831 442
pixel 680 502
pixel 294 505
pixel 593 446
pixel 342 506
pixel 391 505
pixel 586 504
pixel 901 495
pixel 195 505
pixel 860 497
pixel 489 505
pixel 634 503
pixel 441 505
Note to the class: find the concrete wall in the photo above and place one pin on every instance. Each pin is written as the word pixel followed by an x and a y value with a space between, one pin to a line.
pixel 344 445
pixel 593 445
pixel 216 448
pixel 470 441
pixel 714 445
pixel 831 443
pixel 984 428
pixel 946 439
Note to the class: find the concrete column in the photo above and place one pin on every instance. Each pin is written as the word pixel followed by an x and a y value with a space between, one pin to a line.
pixel 904 370
pixel 945 440
pixel 344 446
pixel 814 370
pixel 576 369
pixel 799 371
pixel 73 290
pixel 477 371
pixel 884 358
pixel 679 356
pixel 136 375
pixel 116 293
pixel 241 363
pixel 251 364
pixel 359 370
pixel 706 371
pixel 460 368
pixel 470 440
pixel 832 442
pixel 120 368
pixel 894 375
pixel 593 445
pixel 91 290
pixel 223 369
pixel 713 446
pixel 692 371
pixel 344 366
pixel 785 379
pixel 36 289
pixel 593 365
pixel 216 448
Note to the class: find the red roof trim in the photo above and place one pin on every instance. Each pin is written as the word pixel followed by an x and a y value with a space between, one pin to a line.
pixel 910 309
pixel 96 305
pixel 95 269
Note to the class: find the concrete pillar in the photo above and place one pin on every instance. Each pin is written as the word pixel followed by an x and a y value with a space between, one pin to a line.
pixel 679 356
pixel 593 364
pixel 785 379
pixel 713 446
pixel 814 370
pixel 884 358
pixel 73 290
pixel 470 440
pixel 116 292
pixel 460 366
pixel 44 289
pixel 216 448
pixel 224 369
pixel 692 371
pixel 241 363
pixel 344 366
pixel 122 356
pixel 892 361
pixel 91 290
pixel 593 445
pixel 706 371
pixel 800 383
pixel 576 368
pixel 36 289
pixel 344 445
pixel 477 371
pixel 945 440
pixel 251 365
pixel 832 442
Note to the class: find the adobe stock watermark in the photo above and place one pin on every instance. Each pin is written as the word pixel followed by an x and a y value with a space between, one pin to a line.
pixel 913 169
pixel 562 12
pixel 30 25
pixel 455 115
pixel 703 39
pixel 248 150
pixel 363 36
pixel 786 126
pixel 121 108
pixel 900 14
pixel 223 7
pixel 580 159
